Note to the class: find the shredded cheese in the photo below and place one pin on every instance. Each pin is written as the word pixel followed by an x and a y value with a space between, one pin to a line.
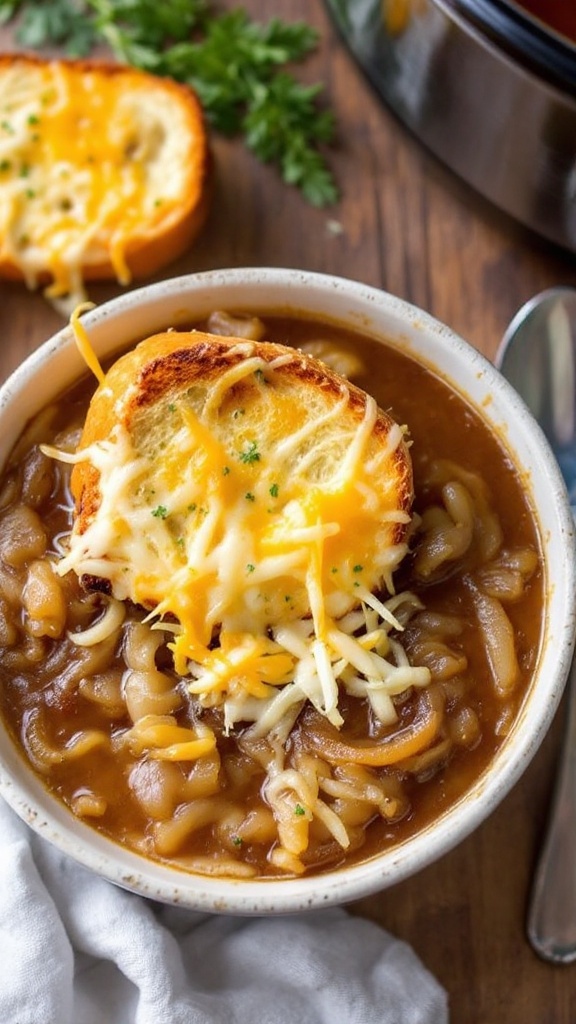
pixel 260 553
pixel 83 343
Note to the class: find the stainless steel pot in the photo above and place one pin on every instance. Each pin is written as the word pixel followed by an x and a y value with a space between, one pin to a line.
pixel 487 88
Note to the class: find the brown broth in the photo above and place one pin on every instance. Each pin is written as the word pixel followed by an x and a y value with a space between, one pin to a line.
pixel 441 425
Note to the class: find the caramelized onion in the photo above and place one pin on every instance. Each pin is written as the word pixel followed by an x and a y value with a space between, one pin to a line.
pixel 320 736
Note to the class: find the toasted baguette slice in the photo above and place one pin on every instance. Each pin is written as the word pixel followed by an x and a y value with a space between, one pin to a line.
pixel 103 172
pixel 230 483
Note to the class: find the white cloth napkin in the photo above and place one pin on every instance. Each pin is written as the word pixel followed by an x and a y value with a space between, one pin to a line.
pixel 75 949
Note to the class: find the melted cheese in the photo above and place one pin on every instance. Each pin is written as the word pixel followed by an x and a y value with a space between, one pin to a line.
pixel 85 164
pixel 260 551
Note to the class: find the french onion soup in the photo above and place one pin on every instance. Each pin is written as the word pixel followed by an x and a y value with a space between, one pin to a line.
pixel 270 597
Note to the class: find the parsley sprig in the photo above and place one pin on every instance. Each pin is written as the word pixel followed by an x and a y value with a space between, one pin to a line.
pixel 237 66
pixel 59 23
pixel 8 9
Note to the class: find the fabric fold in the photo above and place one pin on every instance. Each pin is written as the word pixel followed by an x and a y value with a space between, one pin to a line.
pixel 75 949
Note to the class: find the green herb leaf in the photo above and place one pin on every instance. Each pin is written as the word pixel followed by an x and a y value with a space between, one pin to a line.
pixel 160 512
pixel 251 454
pixel 8 9
pixel 234 56
pixel 58 23
pixel 148 23
pixel 283 124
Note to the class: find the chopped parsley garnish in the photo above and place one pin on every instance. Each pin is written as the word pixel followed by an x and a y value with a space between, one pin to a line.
pixel 171 407
pixel 160 512
pixel 225 470
pixel 249 496
pixel 299 810
pixel 259 374
pixel 251 454
pixel 237 840
pixel 250 567
pixel 358 568
pixel 274 491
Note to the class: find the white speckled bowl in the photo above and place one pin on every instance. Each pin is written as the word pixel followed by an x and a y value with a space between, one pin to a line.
pixel 57 364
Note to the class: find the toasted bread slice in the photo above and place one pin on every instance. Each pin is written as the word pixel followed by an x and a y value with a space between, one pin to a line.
pixel 229 483
pixel 103 172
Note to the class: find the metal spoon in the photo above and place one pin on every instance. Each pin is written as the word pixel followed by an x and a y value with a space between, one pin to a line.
pixel 538 357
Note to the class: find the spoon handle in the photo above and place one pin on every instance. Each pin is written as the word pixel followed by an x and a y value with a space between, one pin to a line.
pixel 552 913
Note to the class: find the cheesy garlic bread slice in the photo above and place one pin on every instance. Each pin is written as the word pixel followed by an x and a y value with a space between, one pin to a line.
pixel 103 172
pixel 237 489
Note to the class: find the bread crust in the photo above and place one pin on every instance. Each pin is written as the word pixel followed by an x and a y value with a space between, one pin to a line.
pixel 151 244
pixel 166 365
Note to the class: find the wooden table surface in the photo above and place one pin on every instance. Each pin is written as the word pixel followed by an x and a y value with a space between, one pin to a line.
pixel 406 225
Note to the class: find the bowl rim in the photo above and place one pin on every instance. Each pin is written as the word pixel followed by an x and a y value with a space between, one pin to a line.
pixel 363 304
